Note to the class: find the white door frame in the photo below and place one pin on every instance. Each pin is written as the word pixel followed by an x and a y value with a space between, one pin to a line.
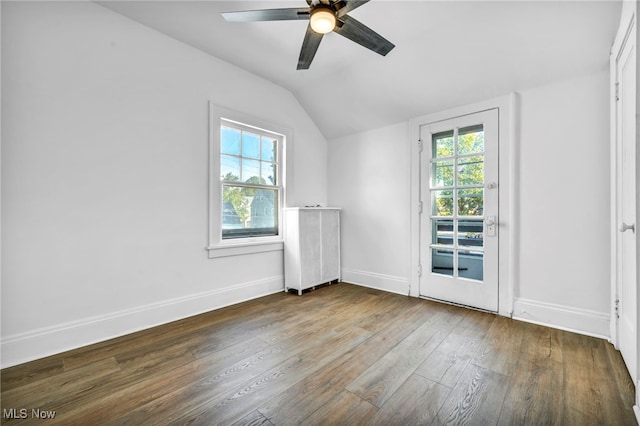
pixel 508 211
pixel 455 288
pixel 628 19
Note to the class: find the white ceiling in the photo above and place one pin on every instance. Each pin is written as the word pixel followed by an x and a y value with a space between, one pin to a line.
pixel 448 53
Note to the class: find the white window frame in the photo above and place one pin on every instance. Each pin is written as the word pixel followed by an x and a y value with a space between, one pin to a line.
pixel 219 247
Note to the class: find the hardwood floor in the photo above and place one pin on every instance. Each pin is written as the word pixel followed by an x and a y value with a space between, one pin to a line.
pixel 341 354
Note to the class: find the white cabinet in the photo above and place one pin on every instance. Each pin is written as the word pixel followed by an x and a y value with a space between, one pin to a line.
pixel 311 246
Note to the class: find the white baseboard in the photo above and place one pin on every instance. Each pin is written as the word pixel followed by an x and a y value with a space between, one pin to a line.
pixel 24 347
pixel 567 318
pixel 383 282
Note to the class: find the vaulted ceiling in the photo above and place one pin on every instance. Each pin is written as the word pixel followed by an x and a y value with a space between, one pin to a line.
pixel 448 53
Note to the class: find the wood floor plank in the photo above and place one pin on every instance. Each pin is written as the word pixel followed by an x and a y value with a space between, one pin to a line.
pixel 41 369
pixel 344 409
pixel 334 316
pixel 286 359
pixel 253 419
pixel 52 391
pixel 446 364
pixel 477 398
pixel 386 309
pixel 218 381
pixel 624 384
pixel 233 405
pixel 500 349
pixel 299 401
pixel 140 386
pixel 385 376
pixel 416 402
pixel 586 367
pixel 539 368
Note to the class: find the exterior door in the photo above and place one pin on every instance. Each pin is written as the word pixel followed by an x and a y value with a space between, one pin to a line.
pixel 626 266
pixel 459 221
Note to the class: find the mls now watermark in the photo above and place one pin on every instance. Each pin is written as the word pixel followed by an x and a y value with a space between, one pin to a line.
pixel 24 413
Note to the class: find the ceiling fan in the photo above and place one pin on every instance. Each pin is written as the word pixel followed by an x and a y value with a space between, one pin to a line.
pixel 324 16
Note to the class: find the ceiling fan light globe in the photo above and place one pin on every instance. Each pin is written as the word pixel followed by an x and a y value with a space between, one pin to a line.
pixel 323 21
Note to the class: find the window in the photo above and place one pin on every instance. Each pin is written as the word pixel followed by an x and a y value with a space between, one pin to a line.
pixel 246 183
pixel 249 175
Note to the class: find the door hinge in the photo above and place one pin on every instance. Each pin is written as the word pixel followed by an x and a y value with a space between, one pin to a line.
pixel 617 308
pixel 419 270
pixel 617 91
pixel 419 207
pixel 420 145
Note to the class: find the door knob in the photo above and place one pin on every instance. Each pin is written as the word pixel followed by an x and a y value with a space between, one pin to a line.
pixel 623 227
pixel 490 221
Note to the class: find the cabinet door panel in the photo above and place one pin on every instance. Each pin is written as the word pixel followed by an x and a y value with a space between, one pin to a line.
pixel 310 250
pixel 330 245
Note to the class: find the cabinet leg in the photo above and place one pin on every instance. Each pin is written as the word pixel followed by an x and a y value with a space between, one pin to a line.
pixel 299 292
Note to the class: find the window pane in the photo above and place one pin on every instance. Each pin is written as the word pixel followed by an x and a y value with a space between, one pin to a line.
pixel 442 261
pixel 442 232
pixel 229 168
pixel 470 202
pixel 442 173
pixel 442 144
pixel 470 233
pixel 249 212
pixel 471 264
pixel 268 173
pixel 471 140
pixel 229 141
pixel 471 170
pixel 250 145
pixel 250 171
pixel 269 146
pixel 442 202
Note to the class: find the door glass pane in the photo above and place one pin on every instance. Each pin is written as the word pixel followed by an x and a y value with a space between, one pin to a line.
pixel 471 140
pixel 442 261
pixel 442 173
pixel 470 233
pixel 443 232
pixel 442 144
pixel 471 170
pixel 471 264
pixel 442 202
pixel 470 202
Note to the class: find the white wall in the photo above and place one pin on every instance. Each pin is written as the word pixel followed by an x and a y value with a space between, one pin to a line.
pixel 562 252
pixel 369 177
pixel 104 177
pixel 564 203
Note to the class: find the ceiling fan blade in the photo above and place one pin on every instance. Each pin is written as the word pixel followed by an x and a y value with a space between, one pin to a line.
pixel 288 14
pixel 356 31
pixel 348 6
pixel 309 47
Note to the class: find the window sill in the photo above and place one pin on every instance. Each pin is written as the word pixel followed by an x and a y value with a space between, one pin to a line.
pixel 248 247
